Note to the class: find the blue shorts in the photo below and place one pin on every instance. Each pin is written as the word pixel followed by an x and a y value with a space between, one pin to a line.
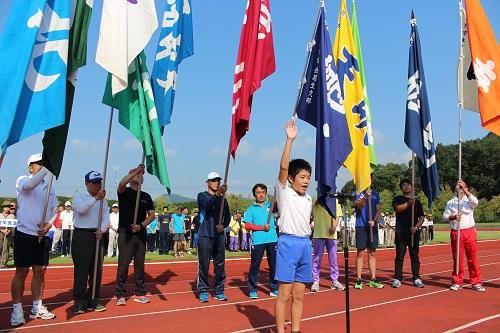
pixel 363 238
pixel 293 259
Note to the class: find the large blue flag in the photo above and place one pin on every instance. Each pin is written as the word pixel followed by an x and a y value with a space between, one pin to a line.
pixel 320 104
pixel 33 61
pixel 176 43
pixel 418 127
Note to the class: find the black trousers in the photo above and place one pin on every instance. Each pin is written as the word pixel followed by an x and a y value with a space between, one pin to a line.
pixel 211 248
pixel 130 247
pixel 162 243
pixel 431 232
pixel 152 238
pixel 403 241
pixel 256 254
pixel 83 255
pixel 66 242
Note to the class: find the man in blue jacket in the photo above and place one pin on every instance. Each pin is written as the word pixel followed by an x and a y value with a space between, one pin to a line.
pixel 211 239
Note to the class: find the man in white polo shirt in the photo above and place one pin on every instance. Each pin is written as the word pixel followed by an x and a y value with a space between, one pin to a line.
pixel 66 217
pixel 468 237
pixel 31 245
pixel 113 230
pixel 86 234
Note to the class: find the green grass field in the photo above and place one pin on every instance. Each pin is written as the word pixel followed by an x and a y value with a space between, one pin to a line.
pixel 440 237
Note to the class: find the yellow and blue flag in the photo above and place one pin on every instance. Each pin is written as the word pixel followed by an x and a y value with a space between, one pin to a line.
pixel 320 104
pixel 358 161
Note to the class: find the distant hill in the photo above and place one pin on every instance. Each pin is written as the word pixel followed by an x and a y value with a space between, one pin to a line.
pixel 176 198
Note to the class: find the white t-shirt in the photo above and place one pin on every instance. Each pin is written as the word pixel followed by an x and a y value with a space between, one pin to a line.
pixel 31 204
pixel 66 219
pixel 295 211
pixel 467 205
pixel 113 219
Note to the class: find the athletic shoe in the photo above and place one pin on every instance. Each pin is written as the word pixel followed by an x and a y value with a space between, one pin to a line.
pixel 396 283
pixel 478 287
pixel 336 285
pixel 456 287
pixel 17 318
pixel 78 311
pixel 220 297
pixel 253 295
pixel 98 308
pixel 375 284
pixel 204 297
pixel 358 284
pixel 141 299
pixel 418 283
pixel 273 293
pixel 315 287
pixel 42 313
pixel 121 301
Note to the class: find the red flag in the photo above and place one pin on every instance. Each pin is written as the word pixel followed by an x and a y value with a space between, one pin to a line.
pixel 255 62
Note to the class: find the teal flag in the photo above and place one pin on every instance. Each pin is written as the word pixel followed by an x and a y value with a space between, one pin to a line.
pixel 137 113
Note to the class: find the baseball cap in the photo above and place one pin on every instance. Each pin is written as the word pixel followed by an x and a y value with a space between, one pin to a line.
pixel 213 175
pixel 114 205
pixel 67 203
pixel 93 177
pixel 34 158
pixel 6 203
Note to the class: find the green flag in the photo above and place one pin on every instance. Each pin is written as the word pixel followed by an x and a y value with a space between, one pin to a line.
pixel 54 140
pixel 138 114
pixel 358 55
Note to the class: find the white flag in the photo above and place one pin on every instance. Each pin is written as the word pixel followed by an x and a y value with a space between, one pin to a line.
pixel 466 80
pixel 126 27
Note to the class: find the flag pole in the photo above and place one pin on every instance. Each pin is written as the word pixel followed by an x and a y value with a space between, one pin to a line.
pixel 412 196
pixel 226 173
pixel 346 268
pixel 45 205
pixel 138 196
pixel 370 218
pixel 98 249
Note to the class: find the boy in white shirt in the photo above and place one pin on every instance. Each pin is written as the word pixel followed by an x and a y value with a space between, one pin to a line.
pixel 293 258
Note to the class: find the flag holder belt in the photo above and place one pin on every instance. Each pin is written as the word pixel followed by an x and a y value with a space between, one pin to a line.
pixel 86 229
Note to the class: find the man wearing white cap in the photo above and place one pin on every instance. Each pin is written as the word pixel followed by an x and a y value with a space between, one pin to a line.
pixel 31 245
pixel 86 233
pixel 66 217
pixel 211 240
pixel 113 230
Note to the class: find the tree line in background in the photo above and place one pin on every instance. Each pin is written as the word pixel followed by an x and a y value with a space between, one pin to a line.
pixel 480 170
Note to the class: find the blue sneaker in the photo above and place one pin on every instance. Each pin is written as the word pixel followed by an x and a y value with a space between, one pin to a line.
pixel 204 297
pixel 220 297
pixel 253 295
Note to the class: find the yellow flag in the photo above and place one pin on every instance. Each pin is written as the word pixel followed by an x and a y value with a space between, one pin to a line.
pixel 358 162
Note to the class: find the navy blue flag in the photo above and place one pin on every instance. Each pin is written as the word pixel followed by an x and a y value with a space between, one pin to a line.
pixel 418 128
pixel 320 104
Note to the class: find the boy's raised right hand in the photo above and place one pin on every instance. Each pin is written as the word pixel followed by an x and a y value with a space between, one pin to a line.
pixel 291 129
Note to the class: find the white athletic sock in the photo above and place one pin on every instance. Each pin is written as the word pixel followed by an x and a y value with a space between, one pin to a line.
pixel 37 305
pixel 18 307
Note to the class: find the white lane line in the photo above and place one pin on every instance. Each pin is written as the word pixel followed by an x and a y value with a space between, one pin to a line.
pixel 244 258
pixel 355 309
pixel 242 302
pixel 474 323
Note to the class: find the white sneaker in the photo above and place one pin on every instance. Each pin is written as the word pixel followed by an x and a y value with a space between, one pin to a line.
pixel 315 287
pixel 396 283
pixel 418 283
pixel 478 287
pixel 336 285
pixel 42 313
pixel 456 287
pixel 17 318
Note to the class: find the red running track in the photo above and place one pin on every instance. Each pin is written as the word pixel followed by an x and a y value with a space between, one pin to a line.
pixel 174 306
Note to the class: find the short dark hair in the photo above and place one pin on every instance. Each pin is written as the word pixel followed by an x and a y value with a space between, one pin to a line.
pixel 256 186
pixel 297 165
pixel 164 207
pixel 403 181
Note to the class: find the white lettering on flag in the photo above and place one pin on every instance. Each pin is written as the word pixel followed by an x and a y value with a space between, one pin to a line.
pixel 264 22
pixel 484 73
pixel 413 93
pixel 333 86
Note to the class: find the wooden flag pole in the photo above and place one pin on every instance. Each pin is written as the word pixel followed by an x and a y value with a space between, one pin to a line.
pixel 370 213
pixel 98 249
pixel 138 196
pixel 45 206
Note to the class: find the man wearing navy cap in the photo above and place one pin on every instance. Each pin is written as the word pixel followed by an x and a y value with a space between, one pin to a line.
pixel 211 240
pixel 86 209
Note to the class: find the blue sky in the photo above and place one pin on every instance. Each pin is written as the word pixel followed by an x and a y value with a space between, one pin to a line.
pixel 196 140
